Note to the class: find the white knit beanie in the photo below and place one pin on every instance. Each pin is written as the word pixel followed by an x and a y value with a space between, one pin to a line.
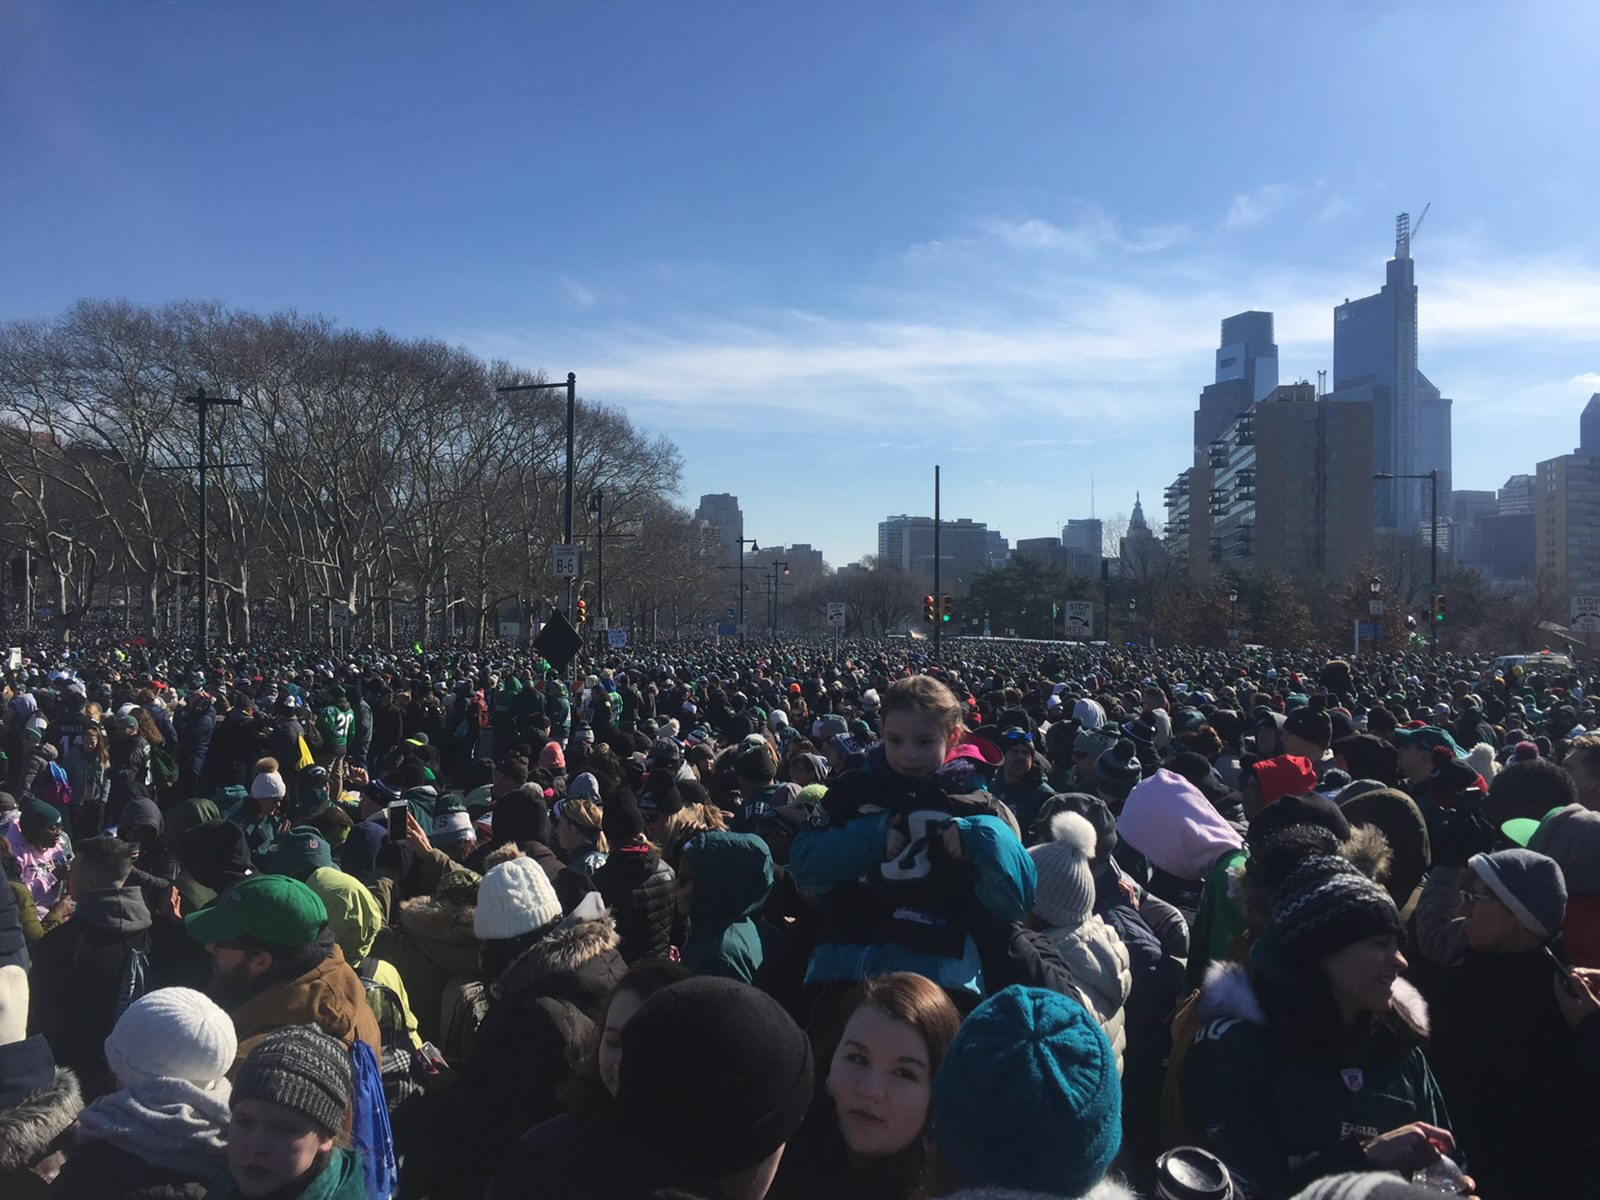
pixel 1064 895
pixel 1481 759
pixel 268 786
pixel 172 1033
pixel 514 898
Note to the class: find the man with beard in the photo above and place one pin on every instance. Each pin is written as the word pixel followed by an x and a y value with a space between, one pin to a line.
pixel 274 963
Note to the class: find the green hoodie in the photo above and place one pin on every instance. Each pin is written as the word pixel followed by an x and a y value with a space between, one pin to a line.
pixel 732 874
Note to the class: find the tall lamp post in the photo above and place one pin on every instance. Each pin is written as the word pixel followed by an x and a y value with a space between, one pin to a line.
pixel 597 500
pixel 739 544
pixel 1374 606
pixel 1233 614
pixel 1133 616
pixel 776 563
pixel 571 385
pixel 203 405
pixel 1433 544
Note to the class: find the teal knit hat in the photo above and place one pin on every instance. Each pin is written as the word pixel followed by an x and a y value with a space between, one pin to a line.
pixel 1028 1096
pixel 299 852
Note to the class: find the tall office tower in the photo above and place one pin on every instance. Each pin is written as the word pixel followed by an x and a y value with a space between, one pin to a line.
pixel 1375 360
pixel 1084 539
pixel 1247 371
pixel 1516 496
pixel 721 512
pixel 905 541
pixel 1467 511
pixel 1434 412
pixel 1589 427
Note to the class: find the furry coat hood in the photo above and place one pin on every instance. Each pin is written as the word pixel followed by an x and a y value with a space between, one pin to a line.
pixel 30 1122
pixel 574 955
pixel 1231 995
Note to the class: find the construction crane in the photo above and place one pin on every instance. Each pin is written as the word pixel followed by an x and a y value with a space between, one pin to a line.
pixel 1404 231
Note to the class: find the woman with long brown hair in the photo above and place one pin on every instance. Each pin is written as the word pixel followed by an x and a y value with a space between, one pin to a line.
pixel 866 1136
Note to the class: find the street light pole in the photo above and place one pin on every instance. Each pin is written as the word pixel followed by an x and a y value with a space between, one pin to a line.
pixel 738 545
pixel 776 563
pixel 1433 546
pixel 1375 586
pixel 597 507
pixel 1233 614
pixel 572 423
pixel 202 404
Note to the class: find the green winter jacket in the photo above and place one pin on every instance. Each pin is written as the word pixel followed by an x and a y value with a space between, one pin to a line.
pixel 732 874
pixel 1281 1112
pixel 341 1179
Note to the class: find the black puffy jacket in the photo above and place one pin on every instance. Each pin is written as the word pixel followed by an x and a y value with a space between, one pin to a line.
pixel 641 892
pixel 538 1027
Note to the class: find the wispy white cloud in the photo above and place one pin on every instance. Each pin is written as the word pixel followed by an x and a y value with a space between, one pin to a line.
pixel 1254 207
pixel 577 293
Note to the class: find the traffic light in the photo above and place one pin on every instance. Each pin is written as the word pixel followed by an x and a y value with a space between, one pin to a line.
pixel 927 609
pixel 1438 609
pixel 946 613
pixel 583 612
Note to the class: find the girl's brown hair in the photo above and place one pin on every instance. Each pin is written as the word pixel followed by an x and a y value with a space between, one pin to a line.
pixel 926 696
pixel 901 996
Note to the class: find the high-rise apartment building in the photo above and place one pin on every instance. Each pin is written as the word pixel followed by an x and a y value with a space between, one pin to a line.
pixel 1246 373
pixel 1567 521
pixel 1566 500
pixel 1287 488
pixel 721 512
pixel 1375 362
pixel 908 542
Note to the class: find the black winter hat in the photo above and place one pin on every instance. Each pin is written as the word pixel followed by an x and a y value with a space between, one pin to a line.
pixel 215 853
pixel 1313 724
pixel 1117 771
pixel 715 1077
pixel 1325 905
pixel 620 819
pixel 1310 808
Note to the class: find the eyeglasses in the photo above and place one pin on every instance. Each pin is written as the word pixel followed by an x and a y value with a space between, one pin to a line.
pixel 1470 899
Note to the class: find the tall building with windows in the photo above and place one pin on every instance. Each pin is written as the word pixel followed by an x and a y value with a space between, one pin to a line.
pixel 1516 495
pixel 1375 362
pixel 908 542
pixel 721 512
pixel 1566 498
pixel 1589 427
pixel 1247 371
pixel 1285 488
pixel 1084 540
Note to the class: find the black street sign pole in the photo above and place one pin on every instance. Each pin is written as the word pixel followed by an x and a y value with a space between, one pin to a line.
pixel 938 596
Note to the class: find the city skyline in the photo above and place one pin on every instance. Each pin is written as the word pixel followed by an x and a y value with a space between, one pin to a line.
pixel 826 249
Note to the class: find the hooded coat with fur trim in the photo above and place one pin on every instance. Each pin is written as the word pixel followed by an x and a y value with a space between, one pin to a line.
pixel 1283 1093
pixel 538 1027
pixel 431 943
pixel 32 1117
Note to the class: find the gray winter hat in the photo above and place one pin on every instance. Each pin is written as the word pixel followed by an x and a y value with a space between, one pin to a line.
pixel 1530 885
pixel 302 1068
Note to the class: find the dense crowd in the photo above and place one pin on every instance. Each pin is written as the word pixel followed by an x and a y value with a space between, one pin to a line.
pixel 798 920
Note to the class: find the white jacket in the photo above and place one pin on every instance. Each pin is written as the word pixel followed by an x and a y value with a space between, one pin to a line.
pixel 1100 967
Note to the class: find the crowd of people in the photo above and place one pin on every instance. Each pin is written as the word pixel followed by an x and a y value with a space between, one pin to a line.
pixel 798 920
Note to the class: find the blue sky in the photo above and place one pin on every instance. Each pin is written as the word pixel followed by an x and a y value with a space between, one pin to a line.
pixel 827 245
